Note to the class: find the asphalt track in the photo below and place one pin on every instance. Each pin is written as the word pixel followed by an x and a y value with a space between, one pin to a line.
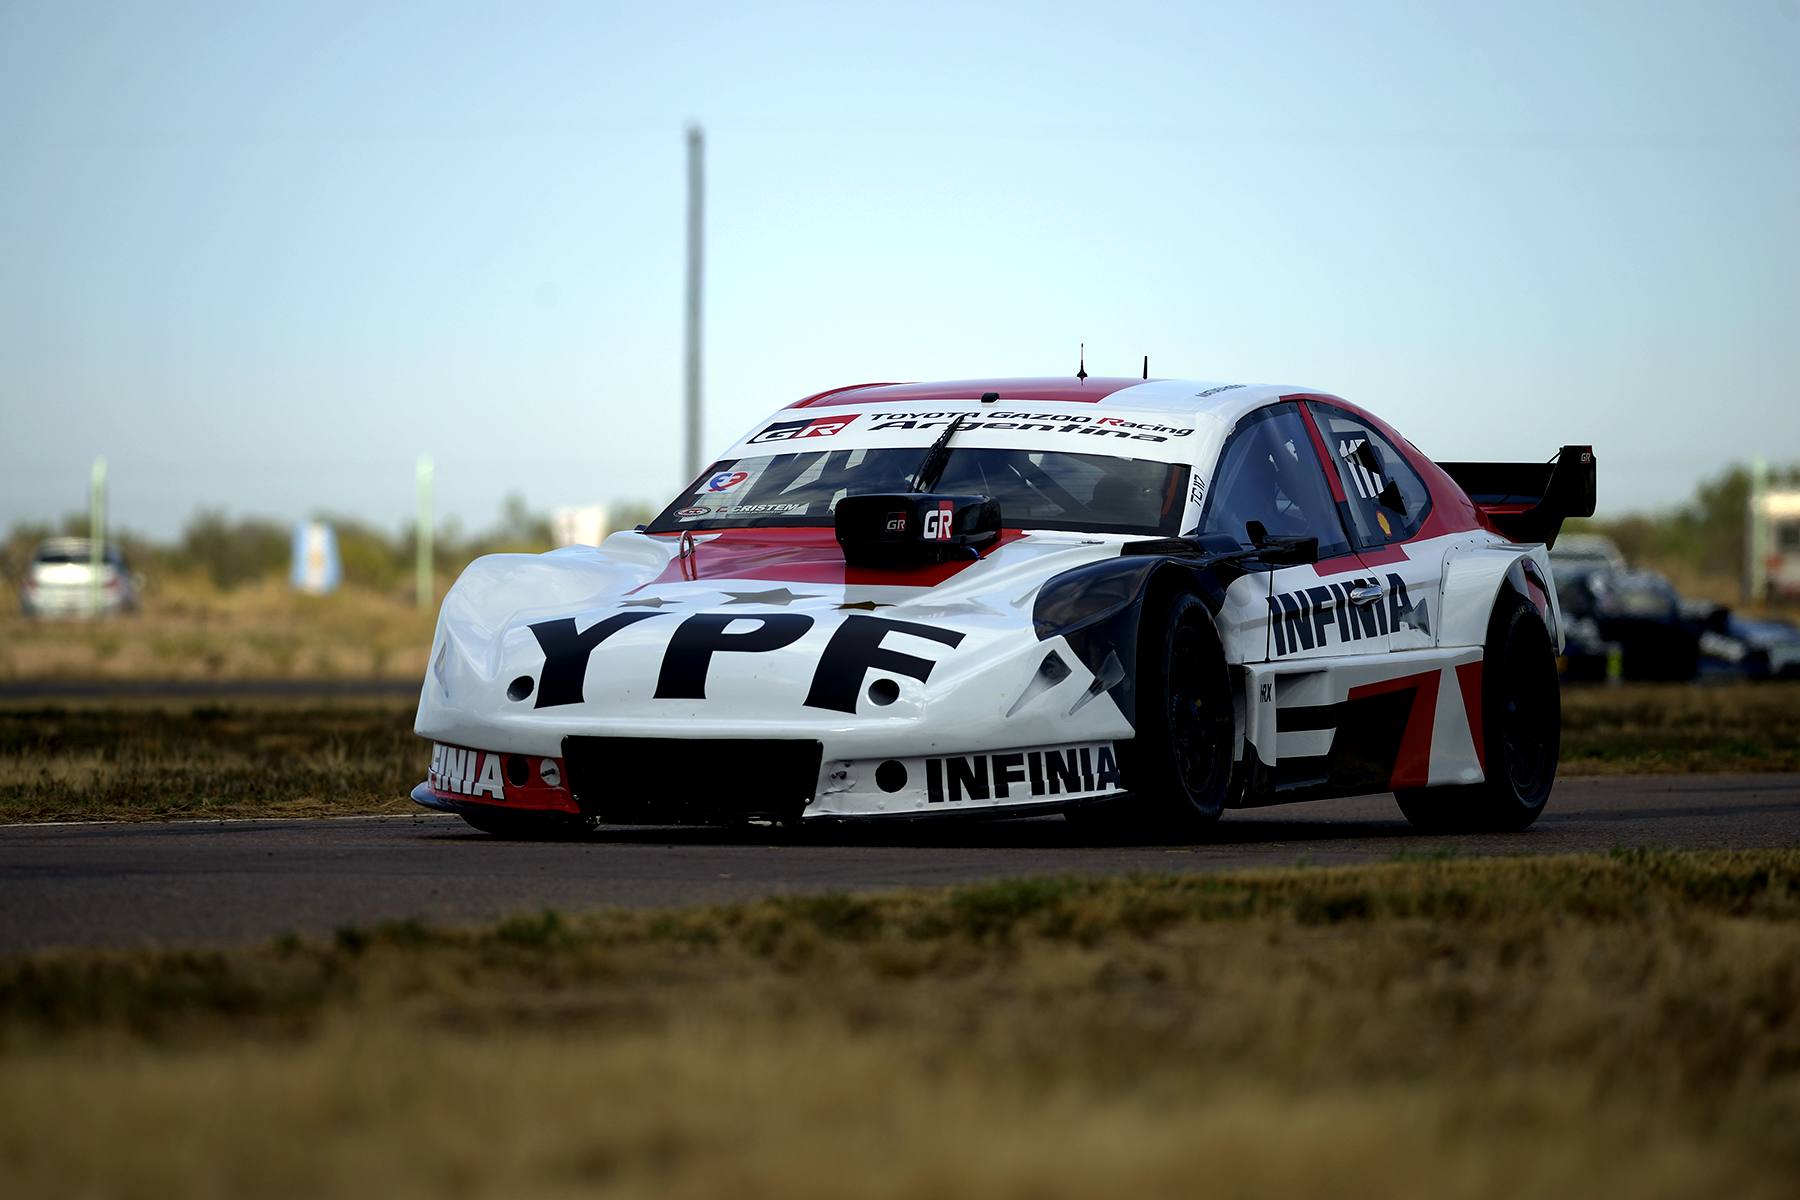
pixel 204 882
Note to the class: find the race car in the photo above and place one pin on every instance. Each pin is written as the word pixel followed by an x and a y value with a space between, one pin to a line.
pixel 1134 601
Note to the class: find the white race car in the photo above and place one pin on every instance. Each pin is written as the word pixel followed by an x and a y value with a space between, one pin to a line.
pixel 1150 600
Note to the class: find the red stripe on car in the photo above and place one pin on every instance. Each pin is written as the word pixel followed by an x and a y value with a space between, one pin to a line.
pixel 1412 764
pixel 1057 389
pixel 1468 677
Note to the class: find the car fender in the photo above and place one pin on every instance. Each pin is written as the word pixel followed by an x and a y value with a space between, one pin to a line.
pixel 1098 608
pixel 1472 579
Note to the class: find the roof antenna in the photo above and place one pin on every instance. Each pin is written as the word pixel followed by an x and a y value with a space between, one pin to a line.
pixel 1081 371
pixel 1146 366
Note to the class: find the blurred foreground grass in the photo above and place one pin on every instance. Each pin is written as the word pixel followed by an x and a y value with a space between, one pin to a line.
pixel 147 759
pixel 1624 1025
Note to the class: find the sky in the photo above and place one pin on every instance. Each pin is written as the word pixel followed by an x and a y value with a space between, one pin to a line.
pixel 262 257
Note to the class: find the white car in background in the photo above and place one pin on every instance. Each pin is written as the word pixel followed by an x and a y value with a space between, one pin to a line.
pixel 60 581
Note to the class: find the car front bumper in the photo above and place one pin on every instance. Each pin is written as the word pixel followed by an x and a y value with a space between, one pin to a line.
pixel 707 781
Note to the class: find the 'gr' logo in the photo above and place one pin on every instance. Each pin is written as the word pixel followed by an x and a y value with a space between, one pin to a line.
pixel 787 431
pixel 938 522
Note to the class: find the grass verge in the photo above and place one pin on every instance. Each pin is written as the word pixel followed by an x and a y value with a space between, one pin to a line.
pixel 248 758
pixel 1559 1027
pixel 137 762
pixel 1645 728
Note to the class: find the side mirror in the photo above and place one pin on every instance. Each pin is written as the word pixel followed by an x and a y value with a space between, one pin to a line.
pixel 1282 550
pixel 903 529
pixel 1290 551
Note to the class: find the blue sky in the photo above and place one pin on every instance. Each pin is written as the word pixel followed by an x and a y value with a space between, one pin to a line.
pixel 263 256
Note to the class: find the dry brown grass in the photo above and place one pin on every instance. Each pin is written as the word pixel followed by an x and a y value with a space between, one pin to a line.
pixel 190 630
pixel 1622 1025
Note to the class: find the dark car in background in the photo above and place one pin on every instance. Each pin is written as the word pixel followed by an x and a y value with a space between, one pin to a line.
pixel 1575 553
pixel 1638 612
pixel 1587 655
pixel 1748 647
pixel 61 581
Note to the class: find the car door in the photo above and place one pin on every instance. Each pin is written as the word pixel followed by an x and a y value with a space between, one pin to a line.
pixel 1386 509
pixel 1269 480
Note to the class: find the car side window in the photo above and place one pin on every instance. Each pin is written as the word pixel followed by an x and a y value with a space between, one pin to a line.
pixel 1268 472
pixel 1387 499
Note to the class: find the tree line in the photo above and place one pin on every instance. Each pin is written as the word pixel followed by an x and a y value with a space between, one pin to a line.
pixel 233 551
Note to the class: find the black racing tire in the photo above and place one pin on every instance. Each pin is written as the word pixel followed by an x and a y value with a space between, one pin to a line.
pixel 1521 714
pixel 527 826
pixel 1178 767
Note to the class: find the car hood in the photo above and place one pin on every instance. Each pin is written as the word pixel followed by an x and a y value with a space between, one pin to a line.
pixel 758 632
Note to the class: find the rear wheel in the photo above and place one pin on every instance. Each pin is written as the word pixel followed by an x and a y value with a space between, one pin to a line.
pixel 527 826
pixel 1521 732
pixel 1178 767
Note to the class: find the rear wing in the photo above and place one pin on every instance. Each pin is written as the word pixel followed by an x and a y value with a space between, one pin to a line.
pixel 1529 501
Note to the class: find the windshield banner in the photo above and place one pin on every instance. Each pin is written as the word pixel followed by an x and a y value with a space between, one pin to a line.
pixel 1071 428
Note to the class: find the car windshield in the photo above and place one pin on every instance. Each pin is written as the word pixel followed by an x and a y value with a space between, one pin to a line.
pixel 1037 489
pixel 62 556
pixel 1640 595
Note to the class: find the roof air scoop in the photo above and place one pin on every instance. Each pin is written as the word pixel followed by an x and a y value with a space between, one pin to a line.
pixel 907 529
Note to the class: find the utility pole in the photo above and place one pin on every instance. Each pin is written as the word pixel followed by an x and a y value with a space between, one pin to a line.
pixel 696 205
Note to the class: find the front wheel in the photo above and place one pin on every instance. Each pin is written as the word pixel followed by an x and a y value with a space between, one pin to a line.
pixel 1178 767
pixel 1521 723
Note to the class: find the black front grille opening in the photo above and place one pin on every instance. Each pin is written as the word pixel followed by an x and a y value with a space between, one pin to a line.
pixel 691 781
